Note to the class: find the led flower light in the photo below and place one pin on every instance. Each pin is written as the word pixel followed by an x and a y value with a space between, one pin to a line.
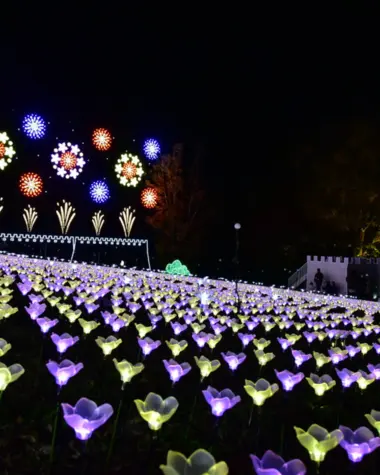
pixel 147 345
pixel 321 384
pixel 318 441
pixel 347 377
pixel 176 370
pixel 260 391
pixel 261 344
pixel 264 358
pixel 99 192
pixel 72 315
pixel 64 341
pixel 358 443
pixel 155 411
pixel 63 371
pixel 86 416
pixel 34 126
pixel 7 152
pixel 206 366
pixel 101 139
pixel 127 370
pixel 88 326
pixel 46 323
pixel 374 419
pixel 233 360
pixel 337 355
pixel 288 379
pixel 9 374
pixel 30 185
pixel 35 310
pixel 273 464
pixel 4 347
pixel 220 401
pixel 6 311
pixel 176 347
pixel 149 197
pixel 200 462
pixel 245 338
pixel 365 379
pixel 300 357
pixel 151 149
pixel 321 359
pixel 129 170
pixel 68 160
pixel 108 344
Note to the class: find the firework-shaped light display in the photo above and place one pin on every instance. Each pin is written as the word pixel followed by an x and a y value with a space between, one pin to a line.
pixel 99 191
pixel 30 184
pixel 66 214
pixel 127 218
pixel 152 149
pixel 149 198
pixel 30 216
pixel 6 150
pixel 1 204
pixel 34 126
pixel 98 222
pixel 68 160
pixel 101 139
pixel 129 169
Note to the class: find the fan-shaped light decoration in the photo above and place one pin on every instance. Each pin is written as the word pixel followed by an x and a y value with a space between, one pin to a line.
pixel 127 218
pixel 98 222
pixel 34 126
pixel 31 184
pixel 101 139
pixel 66 214
pixel 30 216
pixel 129 169
pixel 99 191
pixel 6 150
pixel 149 198
pixel 152 149
pixel 68 160
pixel 1 204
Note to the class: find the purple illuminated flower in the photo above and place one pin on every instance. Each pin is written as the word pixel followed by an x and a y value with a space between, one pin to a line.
pixel 288 379
pixel 220 401
pixel 35 298
pixel 245 338
pixel 25 287
pixel 337 355
pixel 201 338
pixel 377 348
pixel 233 360
pixel 300 357
pixel 218 328
pixel 352 350
pixel 273 464
pixel 86 416
pixel 117 324
pixel 46 323
pixel 285 343
pixel 134 307
pixel 178 328
pixel 347 377
pixel 375 370
pixel 310 337
pixel 358 443
pixel 64 341
pixel 91 307
pixel 63 371
pixel 176 370
pixel 35 310
pixel 78 301
pixel 147 345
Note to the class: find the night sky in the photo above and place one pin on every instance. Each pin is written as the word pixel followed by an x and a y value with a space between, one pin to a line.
pixel 250 87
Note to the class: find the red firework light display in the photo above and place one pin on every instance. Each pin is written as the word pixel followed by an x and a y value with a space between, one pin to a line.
pixel 129 170
pixel 101 139
pixel 2 150
pixel 149 198
pixel 30 184
pixel 68 161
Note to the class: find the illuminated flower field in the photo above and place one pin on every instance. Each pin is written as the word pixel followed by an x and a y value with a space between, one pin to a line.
pixel 105 370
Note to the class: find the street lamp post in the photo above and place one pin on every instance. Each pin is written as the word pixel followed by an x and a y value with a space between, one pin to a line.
pixel 237 227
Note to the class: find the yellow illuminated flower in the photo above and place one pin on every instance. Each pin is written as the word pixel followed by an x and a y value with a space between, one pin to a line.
pixel 155 411
pixel 142 329
pixel 73 316
pixel 260 391
pixel 127 370
pixel 108 344
pixel 321 359
pixel 317 441
pixel 261 344
pixel 88 326
pixel 263 358
pixel 206 366
pixel 321 384
pixel 374 419
pixel 176 347
pixel 9 374
pixel 199 463
pixel 4 346
pixel 214 340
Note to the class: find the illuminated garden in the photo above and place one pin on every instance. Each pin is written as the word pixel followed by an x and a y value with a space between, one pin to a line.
pixel 115 369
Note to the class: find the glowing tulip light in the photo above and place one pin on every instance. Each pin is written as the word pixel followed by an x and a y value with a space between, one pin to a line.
pixel 34 126
pixel 152 149
pixel 155 411
pixel 101 139
pixel 99 192
pixel 30 184
pixel 68 160
pixel 7 152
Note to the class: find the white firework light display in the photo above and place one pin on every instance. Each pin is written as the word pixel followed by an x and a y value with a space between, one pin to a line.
pixel 68 160
pixel 7 151
pixel 129 169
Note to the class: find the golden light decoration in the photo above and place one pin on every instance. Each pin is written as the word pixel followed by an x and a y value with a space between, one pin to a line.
pixel 31 184
pixel 129 169
pixel 98 222
pixel 101 139
pixel 66 214
pixel 6 150
pixel 30 216
pixel 127 218
pixel 149 198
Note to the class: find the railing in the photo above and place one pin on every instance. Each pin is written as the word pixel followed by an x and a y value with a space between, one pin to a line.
pixel 298 277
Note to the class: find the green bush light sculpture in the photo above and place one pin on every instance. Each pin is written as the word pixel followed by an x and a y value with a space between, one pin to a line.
pixel 200 462
pixel 155 410
pixel 318 441
pixel 177 268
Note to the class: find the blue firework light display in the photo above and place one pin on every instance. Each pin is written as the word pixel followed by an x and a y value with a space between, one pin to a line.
pixel 152 149
pixel 34 126
pixel 99 191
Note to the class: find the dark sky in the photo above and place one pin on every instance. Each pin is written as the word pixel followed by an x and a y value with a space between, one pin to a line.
pixel 250 85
